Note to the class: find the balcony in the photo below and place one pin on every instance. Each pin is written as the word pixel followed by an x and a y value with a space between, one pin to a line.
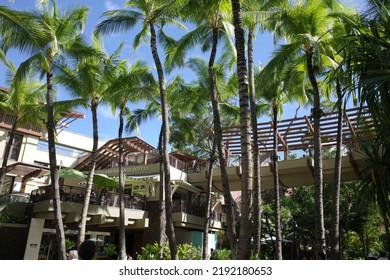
pixel 75 194
pixel 186 214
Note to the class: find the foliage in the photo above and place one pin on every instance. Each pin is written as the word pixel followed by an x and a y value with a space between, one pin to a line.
pixel 224 254
pixel 10 218
pixel 156 252
pixel 110 250
pixel 69 244
pixel 188 252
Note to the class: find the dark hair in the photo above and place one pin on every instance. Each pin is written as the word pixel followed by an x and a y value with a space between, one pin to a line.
pixel 87 250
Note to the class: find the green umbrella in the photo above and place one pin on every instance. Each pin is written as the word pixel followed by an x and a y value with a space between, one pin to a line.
pixel 103 180
pixel 70 173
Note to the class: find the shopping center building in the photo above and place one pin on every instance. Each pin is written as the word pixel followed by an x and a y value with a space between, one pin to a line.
pixel 27 186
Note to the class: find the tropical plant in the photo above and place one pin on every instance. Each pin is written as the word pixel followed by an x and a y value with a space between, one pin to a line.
pixel 211 19
pixel 110 250
pixel 46 35
pixel 153 14
pixel 23 102
pixel 369 66
pixel 70 244
pixel 133 85
pixel 305 27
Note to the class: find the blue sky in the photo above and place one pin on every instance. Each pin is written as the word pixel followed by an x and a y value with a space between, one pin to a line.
pixel 108 123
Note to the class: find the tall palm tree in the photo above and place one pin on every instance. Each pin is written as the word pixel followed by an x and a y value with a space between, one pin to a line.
pixel 152 15
pixel 253 14
pixel 95 77
pixel 245 130
pixel 45 34
pixel 338 81
pixel 131 84
pixel 279 88
pixel 22 101
pixel 305 26
pixel 211 19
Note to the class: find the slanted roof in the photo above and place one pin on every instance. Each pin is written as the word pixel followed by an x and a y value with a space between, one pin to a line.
pixel 110 151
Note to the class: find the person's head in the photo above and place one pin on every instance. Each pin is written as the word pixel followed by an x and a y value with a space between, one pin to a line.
pixel 73 255
pixel 87 250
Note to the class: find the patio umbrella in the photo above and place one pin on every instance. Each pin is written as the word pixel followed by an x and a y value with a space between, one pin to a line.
pixel 103 180
pixel 69 173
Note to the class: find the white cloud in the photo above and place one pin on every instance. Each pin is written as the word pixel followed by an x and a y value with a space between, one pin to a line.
pixel 110 5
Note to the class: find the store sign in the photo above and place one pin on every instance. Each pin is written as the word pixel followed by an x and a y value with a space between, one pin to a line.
pixel 130 170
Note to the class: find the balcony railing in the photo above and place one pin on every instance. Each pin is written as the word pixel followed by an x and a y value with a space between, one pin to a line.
pixel 103 199
pixel 182 206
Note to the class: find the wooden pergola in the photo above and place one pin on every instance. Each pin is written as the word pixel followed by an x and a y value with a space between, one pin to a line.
pixel 297 133
pixel 109 152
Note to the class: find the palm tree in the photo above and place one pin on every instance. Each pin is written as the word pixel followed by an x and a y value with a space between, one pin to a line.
pixel 22 101
pixel 338 81
pixel 245 130
pixel 370 65
pixel 305 26
pixel 152 14
pixel 45 34
pixel 131 86
pixel 211 19
pixel 94 78
pixel 254 12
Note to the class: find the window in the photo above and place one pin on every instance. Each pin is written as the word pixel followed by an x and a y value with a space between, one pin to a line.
pixel 15 148
pixel 60 150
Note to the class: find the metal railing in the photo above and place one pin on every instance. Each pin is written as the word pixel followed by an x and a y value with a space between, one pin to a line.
pixel 103 199
pixel 182 206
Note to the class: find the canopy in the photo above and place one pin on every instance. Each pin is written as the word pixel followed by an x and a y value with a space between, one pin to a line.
pixel 100 180
pixel 69 173
pixel 104 181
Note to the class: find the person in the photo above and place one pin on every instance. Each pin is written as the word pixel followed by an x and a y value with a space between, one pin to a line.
pixel 213 254
pixel 92 199
pixel 87 250
pixel 382 256
pixel 102 197
pixel 73 255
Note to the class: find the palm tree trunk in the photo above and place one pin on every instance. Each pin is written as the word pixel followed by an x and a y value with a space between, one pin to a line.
pixel 165 142
pixel 122 232
pixel 7 151
pixel 256 230
pixel 278 230
pixel 320 245
pixel 55 189
pixel 91 172
pixel 335 232
pixel 245 130
pixel 231 231
pixel 208 202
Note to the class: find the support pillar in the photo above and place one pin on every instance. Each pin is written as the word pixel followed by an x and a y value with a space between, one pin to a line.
pixel 34 238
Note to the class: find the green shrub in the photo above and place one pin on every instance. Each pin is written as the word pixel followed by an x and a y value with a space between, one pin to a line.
pixel 156 252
